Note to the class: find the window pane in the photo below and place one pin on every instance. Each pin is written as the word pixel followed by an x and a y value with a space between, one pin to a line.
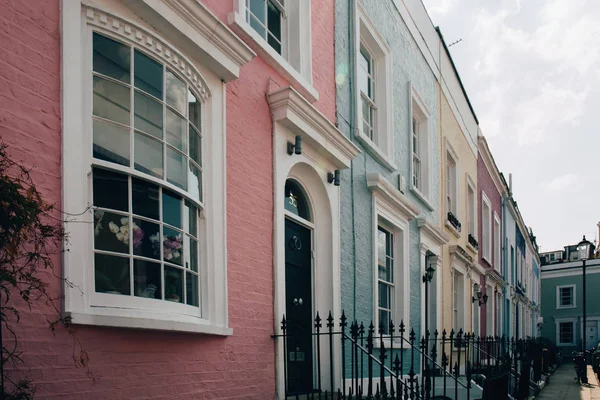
pixel 173 284
pixel 148 155
pixel 190 223
pixel 145 198
pixel 194 109
pixel 381 242
pixel 195 146
pixel 146 279
pixel 111 274
pixel 176 92
pixel 111 142
pixel 146 239
pixel 257 7
pixel 363 73
pixel 171 209
pixel 111 100
pixel 148 115
pixel 172 245
pixel 384 295
pixel 384 321
pixel 191 284
pixel 111 58
pixel 110 190
pixel 176 168
pixel 194 182
pixel 148 75
pixel 257 26
pixel 176 133
pixel 191 257
pixel 111 232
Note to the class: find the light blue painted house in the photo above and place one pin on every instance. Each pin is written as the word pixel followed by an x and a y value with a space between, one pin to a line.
pixel 387 105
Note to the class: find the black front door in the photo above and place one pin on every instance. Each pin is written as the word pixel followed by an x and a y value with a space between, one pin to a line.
pixel 298 307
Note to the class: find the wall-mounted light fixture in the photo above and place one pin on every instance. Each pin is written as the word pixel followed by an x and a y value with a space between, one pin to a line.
pixel 295 148
pixel 478 295
pixel 334 177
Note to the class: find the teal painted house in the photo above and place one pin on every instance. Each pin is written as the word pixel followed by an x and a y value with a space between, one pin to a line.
pixel 387 105
pixel 562 302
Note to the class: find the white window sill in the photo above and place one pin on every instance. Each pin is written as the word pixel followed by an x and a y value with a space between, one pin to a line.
pixel 452 229
pixel 421 197
pixel 373 150
pixel 136 319
pixel 259 44
pixel 474 250
pixel 487 259
pixel 565 307
pixel 565 344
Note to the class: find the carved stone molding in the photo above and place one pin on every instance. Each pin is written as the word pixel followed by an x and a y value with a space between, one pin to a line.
pixel 160 49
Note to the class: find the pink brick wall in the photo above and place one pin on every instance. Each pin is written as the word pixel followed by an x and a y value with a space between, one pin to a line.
pixel 129 364
pixel 486 184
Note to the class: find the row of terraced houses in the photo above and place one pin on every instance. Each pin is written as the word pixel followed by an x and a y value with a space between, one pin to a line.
pixel 327 161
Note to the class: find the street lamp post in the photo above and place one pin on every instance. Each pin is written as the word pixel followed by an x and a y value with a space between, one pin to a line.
pixel 584 253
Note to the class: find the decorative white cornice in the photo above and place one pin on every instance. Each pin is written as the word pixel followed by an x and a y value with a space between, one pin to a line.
pixel 438 236
pixel 493 276
pixel 289 108
pixel 209 39
pixel 159 48
pixel 458 253
pixel 382 187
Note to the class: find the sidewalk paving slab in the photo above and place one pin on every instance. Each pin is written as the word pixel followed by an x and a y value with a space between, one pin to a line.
pixel 562 386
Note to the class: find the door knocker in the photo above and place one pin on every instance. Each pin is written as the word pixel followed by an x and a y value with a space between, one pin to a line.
pixel 296 243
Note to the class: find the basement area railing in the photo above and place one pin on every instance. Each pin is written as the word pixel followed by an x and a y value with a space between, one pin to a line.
pixel 342 359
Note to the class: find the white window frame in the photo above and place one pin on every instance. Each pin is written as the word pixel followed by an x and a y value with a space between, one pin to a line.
pixel 420 112
pixel 451 192
pixel 475 313
pixel 490 311
pixel 471 208
pixel 497 234
pixel 82 305
pixel 381 147
pixel 459 300
pixel 486 234
pixel 499 313
pixel 385 214
pixel 574 297
pixel 296 66
pixel 571 321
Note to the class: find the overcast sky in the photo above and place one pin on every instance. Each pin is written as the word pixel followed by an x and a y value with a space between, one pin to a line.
pixel 531 69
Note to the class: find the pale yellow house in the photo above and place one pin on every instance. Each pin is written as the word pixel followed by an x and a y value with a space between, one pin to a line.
pixel 460 272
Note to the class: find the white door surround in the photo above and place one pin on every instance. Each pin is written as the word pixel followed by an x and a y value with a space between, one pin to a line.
pixel 324 149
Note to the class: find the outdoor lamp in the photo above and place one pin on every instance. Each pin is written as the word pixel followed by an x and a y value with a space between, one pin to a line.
pixel 334 177
pixel 296 147
pixel 485 298
pixel 584 249
pixel 428 274
pixel 477 290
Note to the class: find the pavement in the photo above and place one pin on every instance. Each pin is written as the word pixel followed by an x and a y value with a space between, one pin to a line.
pixel 562 385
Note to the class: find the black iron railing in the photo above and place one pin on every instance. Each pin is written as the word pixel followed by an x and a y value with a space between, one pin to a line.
pixel 391 363
pixel 454 221
pixel 473 242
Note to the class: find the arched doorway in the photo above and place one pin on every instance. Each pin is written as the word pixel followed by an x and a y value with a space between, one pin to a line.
pixel 298 288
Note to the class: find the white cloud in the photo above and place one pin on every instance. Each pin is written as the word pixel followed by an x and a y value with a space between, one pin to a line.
pixel 440 6
pixel 562 183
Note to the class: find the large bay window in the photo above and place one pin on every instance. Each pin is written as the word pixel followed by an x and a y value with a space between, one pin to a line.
pixel 146 121
pixel 451 189
pixel 497 244
pixel 143 151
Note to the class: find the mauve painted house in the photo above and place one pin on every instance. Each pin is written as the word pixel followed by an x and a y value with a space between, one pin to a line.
pixel 169 122
pixel 491 189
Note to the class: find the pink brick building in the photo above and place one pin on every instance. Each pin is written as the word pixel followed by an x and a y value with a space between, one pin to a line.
pixel 179 267
pixel 491 188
